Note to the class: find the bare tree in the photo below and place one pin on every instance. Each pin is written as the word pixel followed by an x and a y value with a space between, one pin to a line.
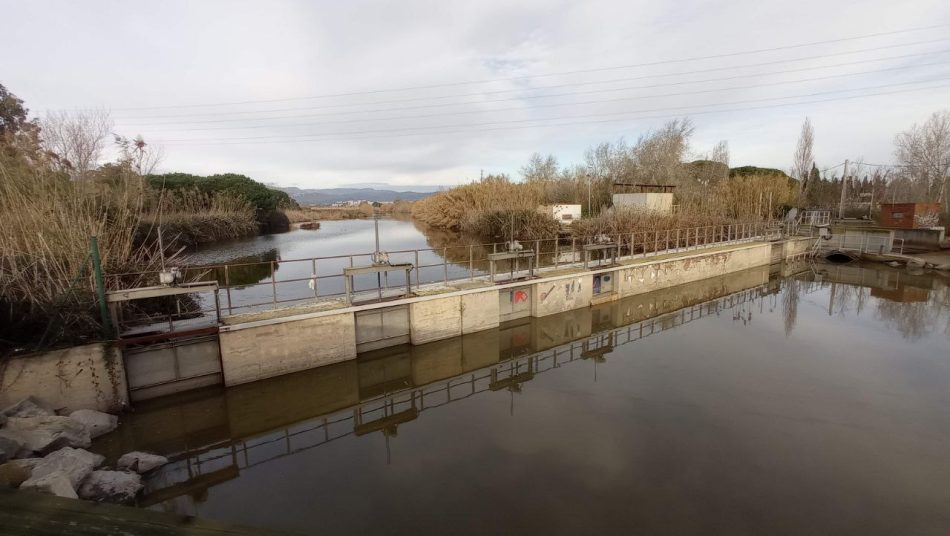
pixel 924 153
pixel 139 156
pixel 720 153
pixel 804 157
pixel 540 168
pixel 658 156
pixel 76 140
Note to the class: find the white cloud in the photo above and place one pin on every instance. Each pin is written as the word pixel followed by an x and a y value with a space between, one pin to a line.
pixel 121 55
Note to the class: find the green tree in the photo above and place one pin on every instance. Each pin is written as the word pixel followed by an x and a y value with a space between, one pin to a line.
pixel 13 116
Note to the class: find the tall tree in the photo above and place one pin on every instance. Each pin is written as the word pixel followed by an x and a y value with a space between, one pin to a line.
pixel 12 113
pixel 540 168
pixel 924 153
pixel 76 139
pixel 804 158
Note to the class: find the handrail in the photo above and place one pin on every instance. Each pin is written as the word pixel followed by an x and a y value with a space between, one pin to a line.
pixel 314 278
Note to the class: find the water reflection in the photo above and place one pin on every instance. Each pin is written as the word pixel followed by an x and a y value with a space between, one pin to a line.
pixel 710 407
pixel 916 305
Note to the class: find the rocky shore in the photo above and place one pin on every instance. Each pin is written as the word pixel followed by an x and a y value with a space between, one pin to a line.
pixel 45 452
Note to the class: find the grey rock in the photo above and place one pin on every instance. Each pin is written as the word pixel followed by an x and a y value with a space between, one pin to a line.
pixel 111 486
pixel 141 462
pixel 10 445
pixel 28 407
pixel 46 434
pixel 56 483
pixel 75 463
pixel 97 422
pixel 12 475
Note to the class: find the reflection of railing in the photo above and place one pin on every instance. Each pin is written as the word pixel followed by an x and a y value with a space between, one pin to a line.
pixel 302 280
pixel 385 412
pixel 861 243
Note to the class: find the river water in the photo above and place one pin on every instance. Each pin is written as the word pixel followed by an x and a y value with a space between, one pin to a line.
pixel 278 267
pixel 812 401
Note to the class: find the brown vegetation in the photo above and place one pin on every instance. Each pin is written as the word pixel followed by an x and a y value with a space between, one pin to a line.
pixel 363 210
pixel 706 192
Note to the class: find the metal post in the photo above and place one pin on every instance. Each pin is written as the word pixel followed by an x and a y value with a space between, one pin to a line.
pixel 557 243
pixel 316 292
pixel 227 287
pixel 100 287
pixel 273 281
pixel 445 264
pixel 677 240
pixel 471 266
pixel 418 269
pixel 537 253
pixel 667 240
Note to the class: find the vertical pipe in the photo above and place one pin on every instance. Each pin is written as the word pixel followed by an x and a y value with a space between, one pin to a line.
pixel 100 287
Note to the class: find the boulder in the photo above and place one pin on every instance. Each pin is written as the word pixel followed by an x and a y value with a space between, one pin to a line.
pixel 141 462
pixel 56 483
pixel 16 437
pixel 12 475
pixel 10 445
pixel 26 464
pixel 75 463
pixel 28 407
pixel 111 486
pixel 97 422
pixel 46 434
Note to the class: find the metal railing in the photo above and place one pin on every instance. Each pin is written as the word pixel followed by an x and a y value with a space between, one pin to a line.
pixel 272 284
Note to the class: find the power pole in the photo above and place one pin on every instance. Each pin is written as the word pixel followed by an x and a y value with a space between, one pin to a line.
pixel 844 191
pixel 590 209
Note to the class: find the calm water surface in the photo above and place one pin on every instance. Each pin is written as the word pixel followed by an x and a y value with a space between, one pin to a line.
pixel 260 265
pixel 814 402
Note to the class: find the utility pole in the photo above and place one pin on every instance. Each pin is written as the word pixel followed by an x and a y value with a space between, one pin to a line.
pixel 590 209
pixel 844 191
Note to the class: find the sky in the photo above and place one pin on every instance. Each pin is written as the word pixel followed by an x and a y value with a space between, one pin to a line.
pixel 323 94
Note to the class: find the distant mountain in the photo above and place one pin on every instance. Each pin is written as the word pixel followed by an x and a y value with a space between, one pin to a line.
pixel 424 188
pixel 326 196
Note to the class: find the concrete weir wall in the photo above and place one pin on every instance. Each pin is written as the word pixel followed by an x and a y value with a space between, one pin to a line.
pixel 82 377
pixel 261 349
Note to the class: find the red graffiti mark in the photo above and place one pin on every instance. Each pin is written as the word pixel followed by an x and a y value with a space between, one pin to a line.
pixel 520 296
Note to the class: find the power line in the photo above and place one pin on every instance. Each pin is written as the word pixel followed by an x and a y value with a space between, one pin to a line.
pixel 562 73
pixel 403 133
pixel 625 79
pixel 553 105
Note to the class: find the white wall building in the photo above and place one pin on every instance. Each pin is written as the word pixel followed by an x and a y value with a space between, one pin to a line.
pixel 565 214
pixel 652 201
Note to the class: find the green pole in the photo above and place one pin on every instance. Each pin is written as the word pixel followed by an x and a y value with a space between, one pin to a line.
pixel 100 287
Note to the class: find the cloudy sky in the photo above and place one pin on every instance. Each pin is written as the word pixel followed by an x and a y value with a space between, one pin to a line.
pixel 319 94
